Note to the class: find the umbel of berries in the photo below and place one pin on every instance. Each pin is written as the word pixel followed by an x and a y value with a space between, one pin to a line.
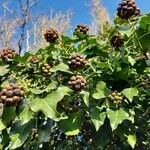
pixel 77 83
pixel 51 35
pixel 7 54
pixel 82 28
pixel 76 61
pixel 116 97
pixel 145 81
pixel 34 59
pixel 127 9
pixel 46 69
pixel 116 41
pixel 12 95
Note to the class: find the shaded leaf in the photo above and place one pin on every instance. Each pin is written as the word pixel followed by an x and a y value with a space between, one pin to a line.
pixel 72 125
pixel 104 134
pixel 9 114
pixel 19 133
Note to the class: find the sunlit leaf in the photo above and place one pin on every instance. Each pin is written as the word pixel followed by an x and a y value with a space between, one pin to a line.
pixel 130 93
pixel 49 104
pixel 101 90
pixel 116 117
pixel 97 117
pixel 26 115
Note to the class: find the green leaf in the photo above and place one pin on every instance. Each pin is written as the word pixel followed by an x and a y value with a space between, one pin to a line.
pixel 145 22
pixel 61 67
pixel 2 126
pixel 80 35
pixel 49 104
pixel 116 117
pixel 3 70
pixel 26 115
pixel 85 97
pixel 19 133
pixel 68 40
pixel 101 91
pixel 104 135
pixel 72 125
pixel 24 58
pixel 130 93
pixel 51 86
pixel 124 30
pixel 131 60
pixel 44 132
pixel 9 114
pixel 97 117
pixel 132 140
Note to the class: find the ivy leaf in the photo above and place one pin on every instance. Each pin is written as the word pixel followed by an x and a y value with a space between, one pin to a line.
pixel 130 93
pixel 19 133
pixel 44 132
pixel 49 104
pixel 131 60
pixel 72 125
pixel 61 67
pixel 104 135
pixel 116 117
pixel 85 97
pixel 24 58
pixel 9 114
pixel 66 39
pixel 127 132
pixel 131 139
pixel 51 86
pixel 3 70
pixel 145 22
pixel 26 115
pixel 2 126
pixel 97 117
pixel 101 90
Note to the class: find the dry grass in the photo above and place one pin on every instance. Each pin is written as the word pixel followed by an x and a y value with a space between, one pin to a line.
pixel 100 17
pixel 59 21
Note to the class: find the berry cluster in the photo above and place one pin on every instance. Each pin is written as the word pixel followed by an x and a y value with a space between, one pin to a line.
pixel 26 83
pixel 82 28
pixel 116 97
pixel 76 61
pixel 116 41
pixel 34 59
pixel 77 83
pixel 12 95
pixel 51 35
pixel 127 9
pixel 46 69
pixel 145 81
pixel 7 54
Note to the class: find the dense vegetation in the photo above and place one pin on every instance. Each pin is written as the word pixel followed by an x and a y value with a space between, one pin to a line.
pixel 80 92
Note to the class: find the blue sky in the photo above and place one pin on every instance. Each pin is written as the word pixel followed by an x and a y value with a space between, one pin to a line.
pixel 81 10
